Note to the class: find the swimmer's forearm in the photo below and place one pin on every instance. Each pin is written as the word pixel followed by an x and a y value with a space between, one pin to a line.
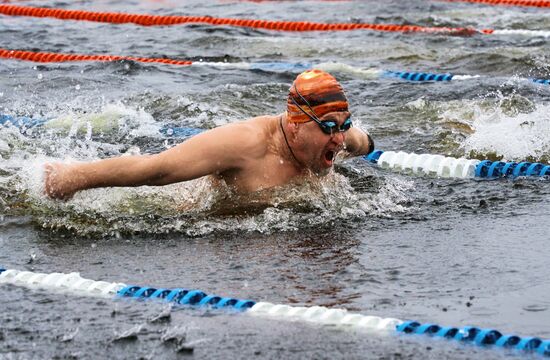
pixel 121 171
pixel 62 181
pixel 180 163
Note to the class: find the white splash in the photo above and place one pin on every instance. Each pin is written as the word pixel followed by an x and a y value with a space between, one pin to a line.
pixel 112 118
pixel 514 137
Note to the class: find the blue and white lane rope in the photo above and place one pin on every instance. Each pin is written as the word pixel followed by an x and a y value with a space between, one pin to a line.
pixel 365 73
pixel 75 284
pixel 450 167
pixel 417 164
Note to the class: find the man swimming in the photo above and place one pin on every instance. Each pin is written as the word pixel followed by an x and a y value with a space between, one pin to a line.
pixel 252 155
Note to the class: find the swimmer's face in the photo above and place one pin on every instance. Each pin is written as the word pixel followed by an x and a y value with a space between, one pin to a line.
pixel 319 148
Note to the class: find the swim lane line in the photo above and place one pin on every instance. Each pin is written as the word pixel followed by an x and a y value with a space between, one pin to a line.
pixel 528 3
pixel 293 26
pixel 416 164
pixel 73 283
pixel 450 167
pixel 280 66
pixel 48 57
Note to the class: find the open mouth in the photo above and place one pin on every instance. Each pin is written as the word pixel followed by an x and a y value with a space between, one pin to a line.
pixel 329 157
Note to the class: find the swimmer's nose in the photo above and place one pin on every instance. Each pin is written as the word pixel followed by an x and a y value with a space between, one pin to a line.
pixel 338 137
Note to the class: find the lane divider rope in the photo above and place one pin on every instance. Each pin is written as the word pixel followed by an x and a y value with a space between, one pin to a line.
pixel 295 26
pixel 47 57
pixel 411 163
pixel 450 167
pixel 528 3
pixel 271 1
pixel 424 76
pixel 75 284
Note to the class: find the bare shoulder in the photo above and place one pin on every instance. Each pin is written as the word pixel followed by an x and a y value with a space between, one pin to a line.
pixel 250 136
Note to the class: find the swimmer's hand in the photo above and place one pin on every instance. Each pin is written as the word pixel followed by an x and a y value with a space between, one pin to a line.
pixel 57 181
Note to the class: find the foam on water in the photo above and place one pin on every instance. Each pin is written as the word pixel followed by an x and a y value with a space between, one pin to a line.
pixel 203 206
pixel 510 128
pixel 514 138
pixel 494 126
pixel 114 117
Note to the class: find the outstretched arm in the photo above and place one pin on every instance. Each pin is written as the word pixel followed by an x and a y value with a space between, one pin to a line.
pixel 358 142
pixel 212 152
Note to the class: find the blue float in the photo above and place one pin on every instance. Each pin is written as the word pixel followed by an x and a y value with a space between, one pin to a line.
pixel 184 297
pixel 418 76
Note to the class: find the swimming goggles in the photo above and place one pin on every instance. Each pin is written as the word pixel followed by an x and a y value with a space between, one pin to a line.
pixel 328 127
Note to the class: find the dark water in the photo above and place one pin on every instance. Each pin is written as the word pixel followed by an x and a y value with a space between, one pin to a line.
pixel 455 252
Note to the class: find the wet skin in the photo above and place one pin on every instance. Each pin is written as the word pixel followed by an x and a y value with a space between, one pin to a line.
pixel 249 156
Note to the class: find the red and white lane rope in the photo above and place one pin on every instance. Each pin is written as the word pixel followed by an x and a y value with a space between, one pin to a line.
pixel 156 20
pixel 527 3
pixel 48 57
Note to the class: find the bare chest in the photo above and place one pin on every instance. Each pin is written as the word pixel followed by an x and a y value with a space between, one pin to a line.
pixel 262 174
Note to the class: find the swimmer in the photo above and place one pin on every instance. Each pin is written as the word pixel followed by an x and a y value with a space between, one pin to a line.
pixel 260 153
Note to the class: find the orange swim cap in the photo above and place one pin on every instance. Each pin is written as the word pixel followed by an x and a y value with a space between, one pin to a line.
pixel 321 90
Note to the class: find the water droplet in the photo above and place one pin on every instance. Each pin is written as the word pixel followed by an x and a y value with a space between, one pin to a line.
pixel 77 87
pixel 40 76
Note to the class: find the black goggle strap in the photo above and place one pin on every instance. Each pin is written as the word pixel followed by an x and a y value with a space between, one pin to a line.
pixel 313 115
